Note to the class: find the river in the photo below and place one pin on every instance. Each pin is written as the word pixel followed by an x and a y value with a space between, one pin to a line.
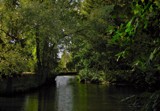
pixel 68 95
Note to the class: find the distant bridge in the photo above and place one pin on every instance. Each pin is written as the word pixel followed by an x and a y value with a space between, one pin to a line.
pixel 53 76
pixel 67 74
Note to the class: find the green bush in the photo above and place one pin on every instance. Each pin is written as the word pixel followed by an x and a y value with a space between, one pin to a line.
pixel 13 62
pixel 92 76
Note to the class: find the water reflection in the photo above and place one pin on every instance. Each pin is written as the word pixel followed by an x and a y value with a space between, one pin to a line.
pixel 31 103
pixel 69 96
pixel 64 93
pixel 43 100
pixel 99 98
pixel 12 103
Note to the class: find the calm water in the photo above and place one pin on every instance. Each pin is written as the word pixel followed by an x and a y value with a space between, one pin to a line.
pixel 69 96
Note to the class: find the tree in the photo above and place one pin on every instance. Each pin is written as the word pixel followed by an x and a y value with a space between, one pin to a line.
pixel 36 28
pixel 13 50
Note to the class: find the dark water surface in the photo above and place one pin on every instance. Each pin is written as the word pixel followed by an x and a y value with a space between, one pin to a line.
pixel 70 96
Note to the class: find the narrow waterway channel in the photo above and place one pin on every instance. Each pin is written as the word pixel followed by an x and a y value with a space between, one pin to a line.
pixel 69 95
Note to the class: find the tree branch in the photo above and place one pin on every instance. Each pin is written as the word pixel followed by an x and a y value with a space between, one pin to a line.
pixel 10 35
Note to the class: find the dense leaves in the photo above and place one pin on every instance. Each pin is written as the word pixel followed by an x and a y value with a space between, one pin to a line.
pixel 30 32
pixel 121 39
pixel 118 38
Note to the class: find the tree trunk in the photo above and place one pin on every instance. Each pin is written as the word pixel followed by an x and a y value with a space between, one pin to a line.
pixel 39 65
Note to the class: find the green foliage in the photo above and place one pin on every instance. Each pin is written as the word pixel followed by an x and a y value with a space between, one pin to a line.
pixel 65 59
pixel 91 75
pixel 36 27
pixel 144 102
pixel 12 62
pixel 153 103
pixel 91 42
pixel 138 43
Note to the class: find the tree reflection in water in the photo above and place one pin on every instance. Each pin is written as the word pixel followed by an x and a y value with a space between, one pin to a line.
pixel 69 96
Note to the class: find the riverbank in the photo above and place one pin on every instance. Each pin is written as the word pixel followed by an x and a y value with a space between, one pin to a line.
pixel 23 83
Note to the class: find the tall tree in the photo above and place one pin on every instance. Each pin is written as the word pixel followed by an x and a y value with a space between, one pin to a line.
pixel 35 27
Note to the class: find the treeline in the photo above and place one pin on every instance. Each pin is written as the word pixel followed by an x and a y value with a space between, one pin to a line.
pixel 111 40
pixel 30 32
pixel 118 41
